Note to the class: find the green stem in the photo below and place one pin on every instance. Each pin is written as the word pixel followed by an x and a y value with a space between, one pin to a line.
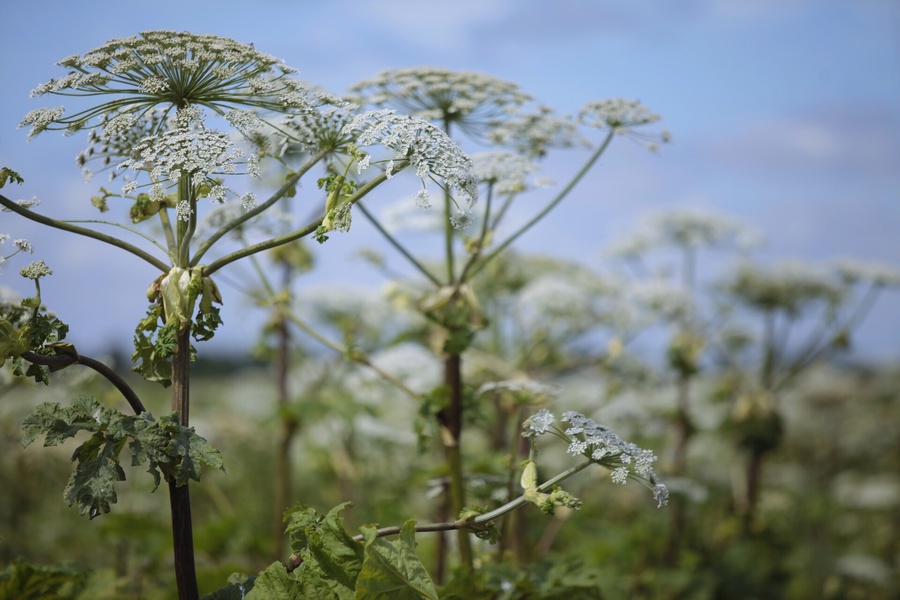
pixel 472 525
pixel 179 495
pixel 484 231
pixel 547 485
pixel 289 184
pixel 125 227
pixel 168 232
pixel 449 232
pixel 399 247
pixel 111 240
pixel 450 422
pixel 559 198
pixel 187 228
pixel 288 237
pixel 59 361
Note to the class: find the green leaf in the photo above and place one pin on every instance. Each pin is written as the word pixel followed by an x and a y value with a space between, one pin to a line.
pixel 237 588
pixel 330 553
pixel 316 584
pixel 392 570
pixel 59 424
pixel 91 486
pixel 7 174
pixel 192 450
pixel 168 448
pixel 26 581
pixel 275 583
pixel 339 555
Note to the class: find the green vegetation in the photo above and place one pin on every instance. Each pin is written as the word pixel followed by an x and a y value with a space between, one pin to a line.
pixel 457 436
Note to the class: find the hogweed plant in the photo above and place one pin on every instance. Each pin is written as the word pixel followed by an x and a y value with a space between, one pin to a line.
pixel 763 326
pixel 489 111
pixel 182 122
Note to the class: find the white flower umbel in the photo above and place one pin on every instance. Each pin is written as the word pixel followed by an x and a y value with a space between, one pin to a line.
pixel 852 271
pixel 508 173
pixel 424 147
pixel 687 228
pixel 788 285
pixel 319 128
pixel 171 70
pixel 473 101
pixel 596 442
pixel 188 149
pixel 623 117
pixel 534 133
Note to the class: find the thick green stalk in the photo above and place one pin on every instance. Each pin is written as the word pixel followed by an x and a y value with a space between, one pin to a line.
pixel 450 421
pixel 283 239
pixel 284 189
pixel 484 519
pixel 179 496
pixel 109 239
pixel 287 423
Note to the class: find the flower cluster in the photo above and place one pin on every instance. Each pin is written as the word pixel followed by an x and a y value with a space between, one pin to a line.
pixel 35 270
pixel 533 134
pixel 639 304
pixel 616 113
pixel 474 101
pixel 789 286
pixel 858 271
pixel 686 228
pixel 598 443
pixel 168 69
pixel 428 149
pixel 319 128
pixel 505 171
pixel 622 117
pixel 21 245
pixel 187 149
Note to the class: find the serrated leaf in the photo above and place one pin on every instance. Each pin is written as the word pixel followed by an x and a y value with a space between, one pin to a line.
pixel 58 424
pixel 92 485
pixel 316 584
pixel 236 589
pixel 192 450
pixel 392 570
pixel 148 446
pixel 334 549
pixel 167 448
pixel 275 583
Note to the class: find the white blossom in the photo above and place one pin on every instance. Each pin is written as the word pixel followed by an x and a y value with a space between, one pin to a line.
pixel 423 146
pixel 40 119
pixel 473 101
pixel 539 423
pixel 686 228
pixel 597 442
pixel 35 270
pixel 507 172
pixel 171 69
pixel 860 271
pixel 623 117
pixel 536 132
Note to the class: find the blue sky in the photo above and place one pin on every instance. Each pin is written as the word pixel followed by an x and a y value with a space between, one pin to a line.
pixel 784 113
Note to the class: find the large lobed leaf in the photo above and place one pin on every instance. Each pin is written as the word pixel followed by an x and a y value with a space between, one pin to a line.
pixel 169 449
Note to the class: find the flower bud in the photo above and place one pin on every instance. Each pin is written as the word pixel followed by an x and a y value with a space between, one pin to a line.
pixel 529 475
pixel 178 302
